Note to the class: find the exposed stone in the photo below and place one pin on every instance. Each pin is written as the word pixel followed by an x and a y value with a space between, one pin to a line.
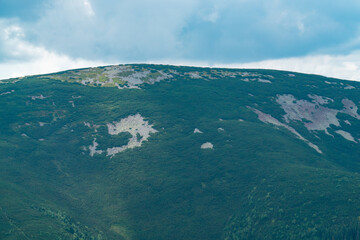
pixel 349 87
pixel 263 80
pixel 267 118
pixel 122 77
pixel 41 97
pixel 350 108
pixel 196 130
pixel 133 124
pixel 317 116
pixel 194 75
pixel 207 145
pixel 6 93
pixel 327 82
pixel 93 147
pixel 346 135
pixel 347 122
pixel 319 99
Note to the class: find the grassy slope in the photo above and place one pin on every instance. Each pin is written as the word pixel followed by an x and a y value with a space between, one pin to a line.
pixel 258 182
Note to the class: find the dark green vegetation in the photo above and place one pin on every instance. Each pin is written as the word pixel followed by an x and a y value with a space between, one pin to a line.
pixel 259 181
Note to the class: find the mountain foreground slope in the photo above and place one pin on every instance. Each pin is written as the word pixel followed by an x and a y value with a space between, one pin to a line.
pixel 169 152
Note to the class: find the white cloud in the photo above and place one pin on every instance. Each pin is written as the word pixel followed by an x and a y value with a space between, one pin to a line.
pixel 28 59
pixel 46 62
pixel 337 66
pixel 88 8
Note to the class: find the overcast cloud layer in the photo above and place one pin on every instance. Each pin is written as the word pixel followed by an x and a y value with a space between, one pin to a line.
pixel 41 36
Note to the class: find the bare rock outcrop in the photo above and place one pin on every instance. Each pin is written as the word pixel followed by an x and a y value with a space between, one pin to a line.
pixel 267 118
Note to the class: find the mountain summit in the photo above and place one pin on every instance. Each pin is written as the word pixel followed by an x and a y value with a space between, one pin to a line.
pixel 169 152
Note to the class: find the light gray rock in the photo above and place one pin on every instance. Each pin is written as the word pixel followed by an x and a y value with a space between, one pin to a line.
pixel 267 118
pixel 207 145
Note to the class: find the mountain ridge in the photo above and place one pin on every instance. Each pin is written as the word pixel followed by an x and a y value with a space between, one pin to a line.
pixel 290 72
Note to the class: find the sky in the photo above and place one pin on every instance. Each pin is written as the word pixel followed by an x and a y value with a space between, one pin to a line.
pixel 42 36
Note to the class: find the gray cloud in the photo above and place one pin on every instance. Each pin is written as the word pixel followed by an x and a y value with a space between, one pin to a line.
pixel 132 30
pixel 190 30
pixel 247 31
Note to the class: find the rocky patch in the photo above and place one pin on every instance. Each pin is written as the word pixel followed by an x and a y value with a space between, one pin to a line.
pixel 348 87
pixel 267 118
pixel 317 116
pixel 41 97
pixel 196 130
pixel 120 76
pixel 139 129
pixel 72 103
pixel 207 145
pixel 93 148
pixel 346 135
pixel 347 122
pixel 6 93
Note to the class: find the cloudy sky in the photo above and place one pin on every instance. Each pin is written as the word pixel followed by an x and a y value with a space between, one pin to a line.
pixel 41 36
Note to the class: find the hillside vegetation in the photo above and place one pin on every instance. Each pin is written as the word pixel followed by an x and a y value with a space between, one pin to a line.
pixel 169 152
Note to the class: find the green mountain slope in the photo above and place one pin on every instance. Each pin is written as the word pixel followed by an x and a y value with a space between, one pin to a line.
pixel 165 152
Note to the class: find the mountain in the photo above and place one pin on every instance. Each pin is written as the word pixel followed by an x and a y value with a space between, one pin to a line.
pixel 170 152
